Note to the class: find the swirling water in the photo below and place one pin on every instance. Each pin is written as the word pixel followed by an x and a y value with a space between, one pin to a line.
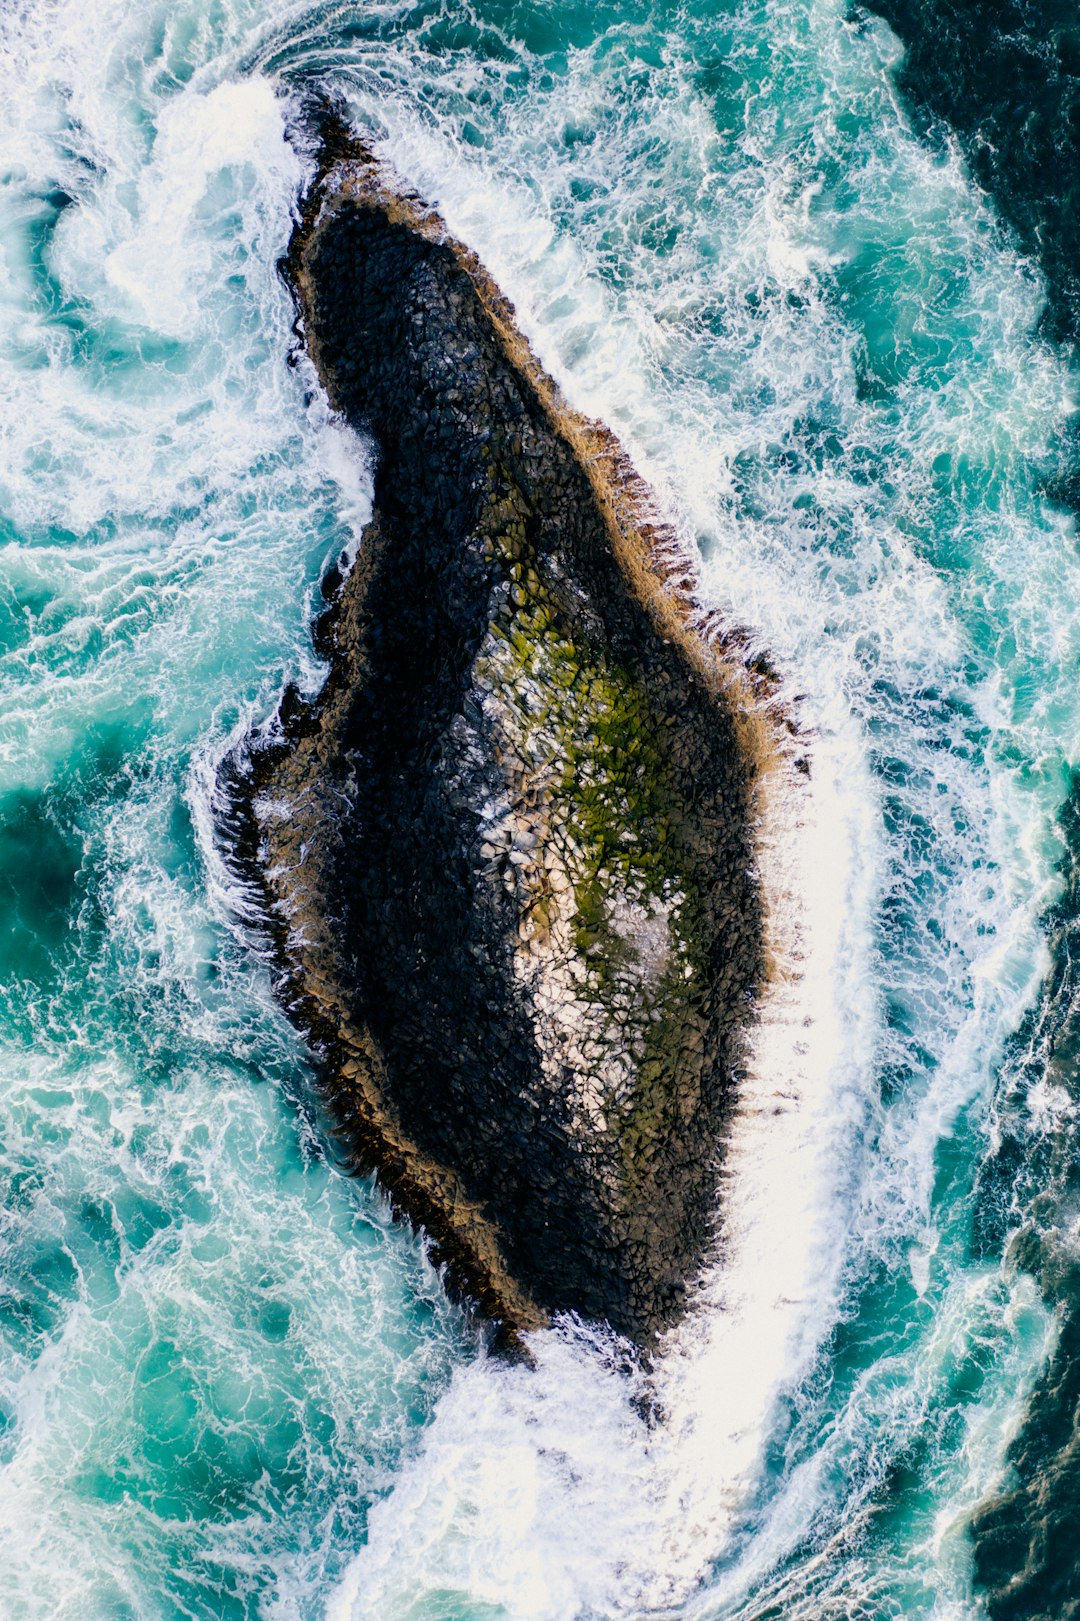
pixel 230 1385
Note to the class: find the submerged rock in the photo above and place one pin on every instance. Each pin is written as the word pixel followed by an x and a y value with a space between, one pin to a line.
pixel 509 845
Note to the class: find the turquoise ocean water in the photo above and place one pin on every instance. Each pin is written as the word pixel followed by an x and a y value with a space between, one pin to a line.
pixel 230 1385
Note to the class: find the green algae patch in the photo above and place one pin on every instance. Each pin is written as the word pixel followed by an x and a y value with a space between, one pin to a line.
pixel 611 799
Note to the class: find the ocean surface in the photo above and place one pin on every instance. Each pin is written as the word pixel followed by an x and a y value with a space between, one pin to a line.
pixel 820 277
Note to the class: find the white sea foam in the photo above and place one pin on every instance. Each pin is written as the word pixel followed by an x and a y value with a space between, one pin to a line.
pixel 194 1311
pixel 819 384
pixel 820 1175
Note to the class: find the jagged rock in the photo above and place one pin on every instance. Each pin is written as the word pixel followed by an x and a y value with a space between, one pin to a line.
pixel 508 846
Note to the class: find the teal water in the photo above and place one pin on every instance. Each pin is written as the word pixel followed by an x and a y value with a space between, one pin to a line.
pixel 229 1384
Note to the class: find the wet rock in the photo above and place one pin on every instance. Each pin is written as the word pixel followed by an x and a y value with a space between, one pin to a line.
pixel 513 876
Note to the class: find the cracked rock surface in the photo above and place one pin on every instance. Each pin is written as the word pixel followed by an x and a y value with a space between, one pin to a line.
pixel 508 846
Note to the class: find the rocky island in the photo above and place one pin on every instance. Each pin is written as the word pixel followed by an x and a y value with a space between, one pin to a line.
pixel 507 851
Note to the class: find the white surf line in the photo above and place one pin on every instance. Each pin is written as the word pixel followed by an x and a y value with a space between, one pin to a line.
pixel 791 1155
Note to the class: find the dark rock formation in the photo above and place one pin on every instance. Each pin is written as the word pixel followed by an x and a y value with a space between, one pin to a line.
pixel 509 844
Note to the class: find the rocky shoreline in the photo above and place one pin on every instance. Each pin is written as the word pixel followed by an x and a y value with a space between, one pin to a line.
pixel 507 852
